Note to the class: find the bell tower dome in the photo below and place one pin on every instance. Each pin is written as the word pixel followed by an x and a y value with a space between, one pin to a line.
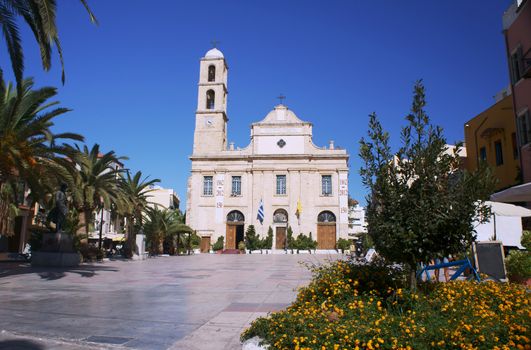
pixel 210 134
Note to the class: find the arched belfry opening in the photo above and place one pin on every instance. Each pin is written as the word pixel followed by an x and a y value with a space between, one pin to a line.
pixel 326 230
pixel 235 229
pixel 211 73
pixel 210 97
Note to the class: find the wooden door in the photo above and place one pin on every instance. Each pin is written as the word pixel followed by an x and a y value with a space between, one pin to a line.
pixel 326 236
pixel 205 244
pixel 231 237
pixel 281 238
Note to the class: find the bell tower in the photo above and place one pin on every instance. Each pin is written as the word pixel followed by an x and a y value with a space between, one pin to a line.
pixel 210 134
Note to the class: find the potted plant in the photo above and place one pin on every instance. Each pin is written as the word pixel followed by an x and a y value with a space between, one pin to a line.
pixel 218 246
pixel 241 247
pixel 342 245
pixel 518 262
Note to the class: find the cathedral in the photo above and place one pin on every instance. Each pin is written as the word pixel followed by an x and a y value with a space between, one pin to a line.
pixel 280 180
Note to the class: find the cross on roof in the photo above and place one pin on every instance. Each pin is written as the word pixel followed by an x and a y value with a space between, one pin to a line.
pixel 281 97
pixel 214 43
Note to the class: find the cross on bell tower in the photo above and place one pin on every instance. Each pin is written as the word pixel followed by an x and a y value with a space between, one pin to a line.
pixel 281 98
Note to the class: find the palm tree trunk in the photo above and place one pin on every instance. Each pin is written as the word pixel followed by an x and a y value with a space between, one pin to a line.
pixel 88 216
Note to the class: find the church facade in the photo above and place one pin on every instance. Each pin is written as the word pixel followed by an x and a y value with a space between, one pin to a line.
pixel 281 173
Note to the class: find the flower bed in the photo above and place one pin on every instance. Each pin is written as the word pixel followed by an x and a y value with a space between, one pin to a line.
pixel 367 307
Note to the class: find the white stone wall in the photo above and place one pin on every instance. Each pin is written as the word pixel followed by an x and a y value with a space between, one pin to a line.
pixel 207 214
pixel 258 164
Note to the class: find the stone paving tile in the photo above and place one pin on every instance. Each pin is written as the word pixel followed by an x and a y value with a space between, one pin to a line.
pixel 192 302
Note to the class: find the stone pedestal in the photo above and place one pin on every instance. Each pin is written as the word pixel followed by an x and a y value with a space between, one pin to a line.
pixel 57 250
pixel 141 247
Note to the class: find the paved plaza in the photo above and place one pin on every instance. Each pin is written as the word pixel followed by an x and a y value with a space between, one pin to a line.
pixel 188 302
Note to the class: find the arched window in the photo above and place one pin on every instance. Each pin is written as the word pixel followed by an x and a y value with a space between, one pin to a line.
pixel 280 216
pixel 326 216
pixel 211 73
pixel 210 96
pixel 235 216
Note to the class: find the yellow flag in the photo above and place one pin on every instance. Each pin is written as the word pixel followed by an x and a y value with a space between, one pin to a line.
pixel 299 207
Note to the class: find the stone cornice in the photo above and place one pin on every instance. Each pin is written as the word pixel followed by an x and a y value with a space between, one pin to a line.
pixel 252 169
pixel 250 158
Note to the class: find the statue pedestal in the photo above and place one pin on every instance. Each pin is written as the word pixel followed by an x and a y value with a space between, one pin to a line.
pixel 57 250
pixel 141 247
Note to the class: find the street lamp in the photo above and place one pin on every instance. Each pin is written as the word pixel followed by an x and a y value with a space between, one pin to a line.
pixel 101 224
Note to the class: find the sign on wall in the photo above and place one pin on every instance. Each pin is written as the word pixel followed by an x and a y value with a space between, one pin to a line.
pixel 343 198
pixel 220 185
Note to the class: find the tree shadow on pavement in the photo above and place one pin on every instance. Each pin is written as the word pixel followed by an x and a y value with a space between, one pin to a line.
pixel 52 273
pixel 20 345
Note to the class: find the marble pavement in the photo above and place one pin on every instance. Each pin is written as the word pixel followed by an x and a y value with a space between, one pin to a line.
pixel 188 302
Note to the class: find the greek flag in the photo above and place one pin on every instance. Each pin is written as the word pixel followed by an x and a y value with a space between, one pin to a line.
pixel 260 215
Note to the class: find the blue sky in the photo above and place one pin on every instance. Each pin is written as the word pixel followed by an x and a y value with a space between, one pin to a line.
pixel 132 80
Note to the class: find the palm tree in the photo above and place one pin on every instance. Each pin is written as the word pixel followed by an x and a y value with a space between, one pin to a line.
pixel 136 193
pixel 94 181
pixel 40 16
pixel 161 224
pixel 29 153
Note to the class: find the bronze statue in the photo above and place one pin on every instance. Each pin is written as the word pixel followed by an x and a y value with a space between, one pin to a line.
pixel 58 213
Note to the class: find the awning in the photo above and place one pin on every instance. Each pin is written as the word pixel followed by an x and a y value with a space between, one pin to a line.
pixel 504 209
pixel 520 193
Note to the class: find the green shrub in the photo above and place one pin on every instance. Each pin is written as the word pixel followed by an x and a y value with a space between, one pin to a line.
pixel 289 239
pixel 311 243
pixel 526 240
pixel 518 265
pixel 218 245
pixel 90 252
pixel 195 240
pixel 343 244
pixel 340 310
pixel 303 242
pixel 241 246
pixel 267 243
pixel 252 240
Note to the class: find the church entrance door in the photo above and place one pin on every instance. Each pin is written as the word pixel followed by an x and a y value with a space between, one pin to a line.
pixel 231 237
pixel 235 235
pixel 235 225
pixel 281 238
pixel 326 236
pixel 326 230
pixel 205 244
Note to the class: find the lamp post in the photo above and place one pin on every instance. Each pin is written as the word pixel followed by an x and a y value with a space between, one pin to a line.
pixel 101 225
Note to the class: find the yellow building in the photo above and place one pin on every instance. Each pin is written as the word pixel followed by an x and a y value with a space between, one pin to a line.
pixel 491 136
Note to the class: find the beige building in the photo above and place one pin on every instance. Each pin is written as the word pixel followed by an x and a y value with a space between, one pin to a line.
pixel 300 184
pixel 163 198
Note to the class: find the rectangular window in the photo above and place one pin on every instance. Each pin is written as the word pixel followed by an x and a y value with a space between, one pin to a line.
pixel 523 126
pixel 515 145
pixel 236 186
pixel 281 184
pixel 482 153
pixel 516 65
pixel 207 186
pixel 499 152
pixel 326 185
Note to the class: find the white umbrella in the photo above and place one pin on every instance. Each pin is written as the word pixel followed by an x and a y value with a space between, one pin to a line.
pixel 504 209
pixel 520 193
pixel 505 224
